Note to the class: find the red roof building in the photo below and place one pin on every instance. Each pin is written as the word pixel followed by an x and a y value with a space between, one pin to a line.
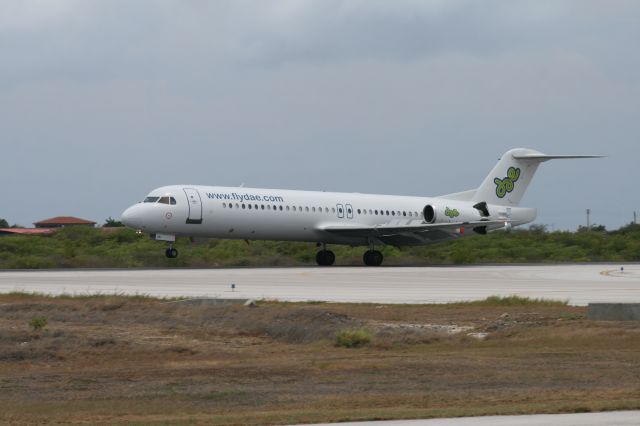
pixel 62 221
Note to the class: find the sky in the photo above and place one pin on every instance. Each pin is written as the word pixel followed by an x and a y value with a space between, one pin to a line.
pixel 102 101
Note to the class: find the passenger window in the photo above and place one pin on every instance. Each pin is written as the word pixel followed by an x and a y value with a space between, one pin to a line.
pixel 224 205
pixel 393 213
pixel 358 211
pixel 376 212
pixel 262 206
pixel 230 205
pixel 244 206
pixel 404 213
pixel 280 208
pixel 287 208
pixel 333 209
pixel 306 209
pixel 151 199
pixel 249 205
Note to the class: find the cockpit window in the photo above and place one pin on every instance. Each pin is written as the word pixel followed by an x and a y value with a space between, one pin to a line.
pixel 151 199
pixel 167 200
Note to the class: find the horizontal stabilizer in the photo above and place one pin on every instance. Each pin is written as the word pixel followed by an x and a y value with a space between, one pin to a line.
pixel 544 157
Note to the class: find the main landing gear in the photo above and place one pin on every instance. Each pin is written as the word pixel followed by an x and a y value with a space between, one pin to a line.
pixel 372 258
pixel 325 257
pixel 171 253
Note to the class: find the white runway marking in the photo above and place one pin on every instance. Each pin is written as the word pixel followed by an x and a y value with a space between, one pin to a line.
pixel 579 284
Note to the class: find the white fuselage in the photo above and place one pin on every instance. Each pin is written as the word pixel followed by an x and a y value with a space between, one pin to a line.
pixel 273 214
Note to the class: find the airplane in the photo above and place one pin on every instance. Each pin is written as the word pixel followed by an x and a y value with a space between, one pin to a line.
pixel 354 219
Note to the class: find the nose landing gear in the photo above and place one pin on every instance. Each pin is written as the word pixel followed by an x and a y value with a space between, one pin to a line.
pixel 171 253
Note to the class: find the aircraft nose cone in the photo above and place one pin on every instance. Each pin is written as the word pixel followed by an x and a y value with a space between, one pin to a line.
pixel 131 217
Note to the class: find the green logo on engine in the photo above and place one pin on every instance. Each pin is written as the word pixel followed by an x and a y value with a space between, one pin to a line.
pixel 451 213
pixel 507 184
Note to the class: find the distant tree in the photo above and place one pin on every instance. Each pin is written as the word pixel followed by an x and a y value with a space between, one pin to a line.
pixel 112 223
pixel 625 229
pixel 538 229
pixel 4 223
pixel 594 228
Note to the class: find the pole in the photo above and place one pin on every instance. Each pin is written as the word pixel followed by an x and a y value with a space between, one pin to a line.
pixel 588 225
pixel 635 218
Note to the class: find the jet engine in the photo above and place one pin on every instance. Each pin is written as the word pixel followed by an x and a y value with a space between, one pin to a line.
pixel 446 213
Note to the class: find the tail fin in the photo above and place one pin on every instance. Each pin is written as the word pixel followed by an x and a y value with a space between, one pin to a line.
pixel 509 179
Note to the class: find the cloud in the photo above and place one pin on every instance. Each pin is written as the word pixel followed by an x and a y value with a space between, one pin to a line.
pixel 111 98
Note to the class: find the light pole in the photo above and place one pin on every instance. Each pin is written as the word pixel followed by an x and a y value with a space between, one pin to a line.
pixel 588 225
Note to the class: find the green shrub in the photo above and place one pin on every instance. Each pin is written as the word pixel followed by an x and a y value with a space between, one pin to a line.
pixel 38 323
pixel 353 338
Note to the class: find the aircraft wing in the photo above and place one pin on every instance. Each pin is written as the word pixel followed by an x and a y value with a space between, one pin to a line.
pixel 409 230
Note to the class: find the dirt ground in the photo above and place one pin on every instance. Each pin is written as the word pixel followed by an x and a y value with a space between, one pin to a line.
pixel 141 360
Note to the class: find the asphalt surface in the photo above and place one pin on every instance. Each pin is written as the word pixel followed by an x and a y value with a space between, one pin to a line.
pixel 579 284
pixel 614 418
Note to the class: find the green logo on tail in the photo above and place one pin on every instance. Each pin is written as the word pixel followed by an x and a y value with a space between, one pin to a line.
pixel 451 213
pixel 507 184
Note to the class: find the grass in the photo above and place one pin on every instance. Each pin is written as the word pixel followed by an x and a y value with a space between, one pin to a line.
pixel 514 300
pixel 107 297
pixel 353 338
pixel 123 248
pixel 139 360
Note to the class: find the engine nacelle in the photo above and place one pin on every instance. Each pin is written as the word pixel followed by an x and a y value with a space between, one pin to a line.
pixel 451 212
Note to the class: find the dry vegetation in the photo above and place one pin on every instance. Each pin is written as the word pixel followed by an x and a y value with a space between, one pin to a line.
pixel 141 360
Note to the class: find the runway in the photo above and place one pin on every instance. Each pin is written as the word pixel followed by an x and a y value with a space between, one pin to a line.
pixel 579 284
pixel 614 418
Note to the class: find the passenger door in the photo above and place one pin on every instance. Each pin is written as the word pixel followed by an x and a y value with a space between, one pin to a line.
pixel 195 206
pixel 349 211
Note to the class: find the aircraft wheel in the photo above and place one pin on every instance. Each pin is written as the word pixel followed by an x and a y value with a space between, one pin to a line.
pixel 372 258
pixel 171 253
pixel 325 258
pixel 331 258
